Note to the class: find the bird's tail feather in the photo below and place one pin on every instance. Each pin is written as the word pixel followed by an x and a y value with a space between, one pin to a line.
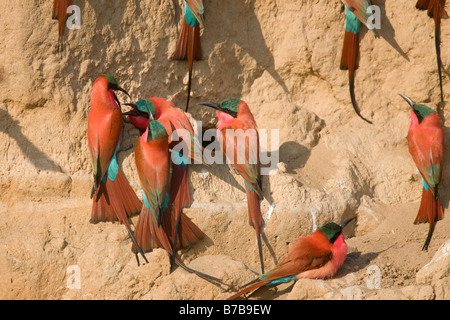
pixel 438 14
pixel 435 9
pixel 430 211
pixel 349 61
pixel 149 235
pixel 142 232
pixel 115 200
pixel 213 280
pixel 179 227
pixel 188 48
pixel 247 289
pixel 255 219
pixel 189 38
pixel 59 12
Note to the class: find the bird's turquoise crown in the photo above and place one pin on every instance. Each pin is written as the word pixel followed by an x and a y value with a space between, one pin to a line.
pixel 143 104
pixel 231 104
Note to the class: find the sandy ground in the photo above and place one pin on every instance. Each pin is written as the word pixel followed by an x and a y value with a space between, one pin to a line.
pixel 42 241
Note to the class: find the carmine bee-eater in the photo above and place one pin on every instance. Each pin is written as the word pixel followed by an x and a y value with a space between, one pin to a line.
pixel 436 10
pixel 180 229
pixel 59 12
pixel 355 13
pixel 236 120
pixel 153 164
pixel 189 45
pixel 426 146
pixel 114 199
pixel 317 256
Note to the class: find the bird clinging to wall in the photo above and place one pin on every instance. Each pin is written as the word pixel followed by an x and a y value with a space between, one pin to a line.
pixel 234 115
pixel 435 10
pixel 426 146
pixel 59 12
pixel 189 45
pixel 113 197
pixel 355 14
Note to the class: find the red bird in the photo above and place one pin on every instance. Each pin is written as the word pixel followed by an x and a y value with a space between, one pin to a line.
pixel 180 229
pixel 59 12
pixel 355 14
pixel 114 199
pixel 235 114
pixel 426 146
pixel 189 46
pixel 317 256
pixel 436 10
pixel 155 224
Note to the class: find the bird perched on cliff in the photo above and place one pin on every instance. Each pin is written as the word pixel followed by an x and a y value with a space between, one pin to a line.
pixel 155 224
pixel 189 45
pixel 317 256
pixel 236 120
pixel 435 10
pixel 426 146
pixel 355 13
pixel 59 12
pixel 113 197
pixel 179 228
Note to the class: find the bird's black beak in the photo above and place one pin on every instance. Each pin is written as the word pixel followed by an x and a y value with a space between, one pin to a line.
pixel 211 105
pixel 343 224
pixel 217 107
pixel 124 91
pixel 115 97
pixel 410 102
pixel 135 112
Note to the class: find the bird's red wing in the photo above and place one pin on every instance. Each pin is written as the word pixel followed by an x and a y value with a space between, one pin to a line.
pixel 305 254
pixel 244 154
pixel 426 145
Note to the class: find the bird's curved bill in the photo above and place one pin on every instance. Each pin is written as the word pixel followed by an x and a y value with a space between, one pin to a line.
pixel 343 224
pixel 211 105
pixel 217 107
pixel 407 99
pixel 124 91
pixel 135 112
pixel 117 99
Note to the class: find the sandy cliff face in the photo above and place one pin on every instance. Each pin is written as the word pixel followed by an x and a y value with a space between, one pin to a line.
pixel 282 58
